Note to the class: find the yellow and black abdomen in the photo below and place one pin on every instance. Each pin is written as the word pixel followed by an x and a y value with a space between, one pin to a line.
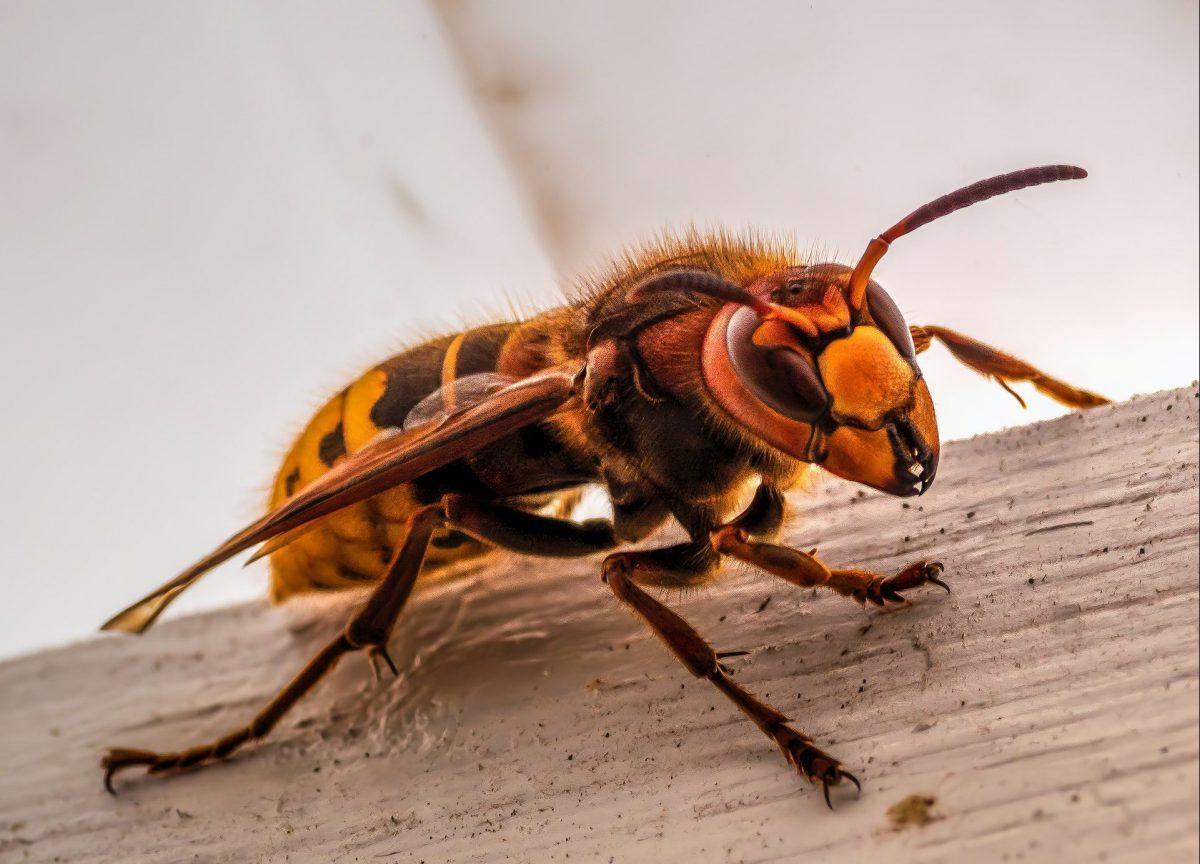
pixel 352 546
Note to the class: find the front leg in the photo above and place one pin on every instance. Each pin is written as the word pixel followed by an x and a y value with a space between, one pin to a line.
pixel 689 564
pixel 808 571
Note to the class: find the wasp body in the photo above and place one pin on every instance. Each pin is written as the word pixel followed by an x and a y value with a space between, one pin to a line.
pixel 693 372
pixel 652 393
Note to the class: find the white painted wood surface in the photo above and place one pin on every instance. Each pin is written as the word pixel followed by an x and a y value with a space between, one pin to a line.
pixel 1049 704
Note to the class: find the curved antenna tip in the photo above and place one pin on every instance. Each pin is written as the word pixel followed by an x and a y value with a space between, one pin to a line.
pixel 947 204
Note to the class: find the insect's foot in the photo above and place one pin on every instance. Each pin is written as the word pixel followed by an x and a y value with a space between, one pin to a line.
pixel 815 764
pixel 915 575
pixel 120 758
pixel 379 652
pixel 723 655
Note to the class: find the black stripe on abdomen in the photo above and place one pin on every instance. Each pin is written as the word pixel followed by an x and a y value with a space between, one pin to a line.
pixel 414 374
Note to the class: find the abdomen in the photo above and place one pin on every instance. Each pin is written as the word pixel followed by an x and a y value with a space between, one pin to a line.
pixel 352 546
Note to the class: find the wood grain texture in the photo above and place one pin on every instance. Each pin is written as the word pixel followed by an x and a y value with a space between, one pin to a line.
pixel 1049 704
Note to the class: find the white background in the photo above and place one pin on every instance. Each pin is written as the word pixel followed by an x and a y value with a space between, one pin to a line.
pixel 212 215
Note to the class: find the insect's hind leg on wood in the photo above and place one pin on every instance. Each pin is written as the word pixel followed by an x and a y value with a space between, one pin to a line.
pixel 370 628
pixel 688 563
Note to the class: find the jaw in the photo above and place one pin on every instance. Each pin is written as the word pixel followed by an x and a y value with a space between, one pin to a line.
pixel 900 459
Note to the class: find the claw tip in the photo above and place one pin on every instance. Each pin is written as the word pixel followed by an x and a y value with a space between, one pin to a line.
pixel 854 780
pixel 387 658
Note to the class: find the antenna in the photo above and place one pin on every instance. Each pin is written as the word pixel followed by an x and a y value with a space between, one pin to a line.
pixel 945 205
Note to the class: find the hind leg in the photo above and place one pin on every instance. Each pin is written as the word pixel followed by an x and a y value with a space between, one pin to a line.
pixel 370 628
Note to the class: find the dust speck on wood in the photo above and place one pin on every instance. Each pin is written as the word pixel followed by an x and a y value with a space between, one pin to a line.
pixel 913 810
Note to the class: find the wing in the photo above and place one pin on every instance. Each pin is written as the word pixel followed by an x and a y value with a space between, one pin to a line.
pixel 434 408
pixel 389 460
pixel 1004 368
pixel 456 394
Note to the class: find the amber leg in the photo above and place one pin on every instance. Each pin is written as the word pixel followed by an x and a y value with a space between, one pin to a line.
pixel 807 571
pixel 371 627
pixel 1003 367
pixel 680 565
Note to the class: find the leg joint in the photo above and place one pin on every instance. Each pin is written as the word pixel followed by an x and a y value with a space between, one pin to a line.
pixel 361 633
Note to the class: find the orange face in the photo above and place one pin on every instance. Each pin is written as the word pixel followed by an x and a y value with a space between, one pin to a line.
pixel 830 386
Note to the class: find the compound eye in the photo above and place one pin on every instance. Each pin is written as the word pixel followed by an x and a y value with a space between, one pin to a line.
pixel 887 318
pixel 784 379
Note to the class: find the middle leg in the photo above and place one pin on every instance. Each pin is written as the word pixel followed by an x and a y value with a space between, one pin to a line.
pixel 690 563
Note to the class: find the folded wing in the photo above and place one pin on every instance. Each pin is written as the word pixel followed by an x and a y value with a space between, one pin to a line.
pixel 391 459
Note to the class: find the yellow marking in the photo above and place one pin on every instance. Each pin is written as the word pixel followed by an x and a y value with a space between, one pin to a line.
pixel 367 559
pixel 866 376
pixel 450 372
pixel 395 505
pixel 279 492
pixel 298 571
pixel 357 427
pixel 303 462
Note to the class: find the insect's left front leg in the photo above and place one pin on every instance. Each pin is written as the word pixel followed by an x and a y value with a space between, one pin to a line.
pixel 808 571
pixel 691 563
